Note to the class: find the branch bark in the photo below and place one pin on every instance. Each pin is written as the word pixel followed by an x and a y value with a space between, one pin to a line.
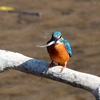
pixel 33 66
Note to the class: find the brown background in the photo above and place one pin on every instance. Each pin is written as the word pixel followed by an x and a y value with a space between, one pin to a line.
pixel 79 22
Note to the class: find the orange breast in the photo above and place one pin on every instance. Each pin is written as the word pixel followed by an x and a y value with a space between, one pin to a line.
pixel 58 53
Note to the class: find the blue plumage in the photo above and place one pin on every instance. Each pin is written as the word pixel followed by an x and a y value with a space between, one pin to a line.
pixel 68 47
pixel 56 34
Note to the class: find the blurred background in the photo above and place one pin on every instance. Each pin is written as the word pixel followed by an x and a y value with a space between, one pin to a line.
pixel 79 22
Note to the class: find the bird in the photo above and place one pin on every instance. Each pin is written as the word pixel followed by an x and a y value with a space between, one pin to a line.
pixel 59 50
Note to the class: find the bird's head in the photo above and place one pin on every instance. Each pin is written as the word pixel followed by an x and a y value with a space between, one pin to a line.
pixel 56 36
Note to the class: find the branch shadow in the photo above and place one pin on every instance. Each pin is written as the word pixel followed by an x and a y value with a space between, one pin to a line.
pixel 33 66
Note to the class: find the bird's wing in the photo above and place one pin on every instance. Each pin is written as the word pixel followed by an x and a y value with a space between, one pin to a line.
pixel 68 47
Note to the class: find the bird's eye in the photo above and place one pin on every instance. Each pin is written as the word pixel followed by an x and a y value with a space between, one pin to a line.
pixel 59 37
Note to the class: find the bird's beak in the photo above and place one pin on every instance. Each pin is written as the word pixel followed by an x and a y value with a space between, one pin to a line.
pixel 49 44
pixel 54 40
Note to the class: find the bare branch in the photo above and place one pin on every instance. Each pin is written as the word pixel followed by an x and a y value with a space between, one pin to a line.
pixel 26 64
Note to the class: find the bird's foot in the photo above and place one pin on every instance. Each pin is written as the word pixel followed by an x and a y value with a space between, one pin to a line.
pixel 62 68
pixel 51 64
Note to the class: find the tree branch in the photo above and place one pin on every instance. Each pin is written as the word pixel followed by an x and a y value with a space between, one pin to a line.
pixel 33 66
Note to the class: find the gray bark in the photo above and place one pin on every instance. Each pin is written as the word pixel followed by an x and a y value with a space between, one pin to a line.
pixel 33 66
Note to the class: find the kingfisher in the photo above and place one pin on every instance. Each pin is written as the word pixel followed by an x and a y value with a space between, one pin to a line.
pixel 59 50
